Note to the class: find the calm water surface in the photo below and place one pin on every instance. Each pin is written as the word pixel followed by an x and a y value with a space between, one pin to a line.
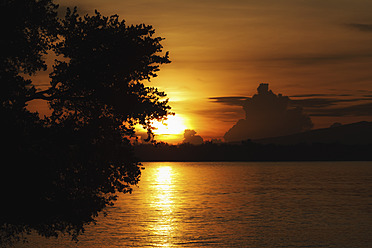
pixel 296 204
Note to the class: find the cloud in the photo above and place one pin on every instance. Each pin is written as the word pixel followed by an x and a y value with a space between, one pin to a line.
pixel 354 110
pixel 310 101
pixel 306 60
pixel 230 100
pixel 314 104
pixel 191 137
pixel 323 102
pixel 361 26
pixel 330 107
pixel 315 95
pixel 268 115
pixel 223 113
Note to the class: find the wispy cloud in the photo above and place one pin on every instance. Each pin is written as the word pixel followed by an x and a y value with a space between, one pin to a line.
pixel 228 114
pixel 317 95
pixel 324 102
pixel 316 104
pixel 304 60
pixel 354 110
pixel 230 100
pixel 310 101
pixel 361 26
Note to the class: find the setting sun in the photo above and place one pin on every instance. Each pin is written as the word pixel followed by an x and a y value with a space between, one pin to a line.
pixel 170 130
pixel 174 125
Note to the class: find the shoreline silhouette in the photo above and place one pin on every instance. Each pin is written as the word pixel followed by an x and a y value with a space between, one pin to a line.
pixel 351 142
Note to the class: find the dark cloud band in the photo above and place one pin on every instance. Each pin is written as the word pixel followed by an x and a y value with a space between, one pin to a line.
pixel 361 26
pixel 315 104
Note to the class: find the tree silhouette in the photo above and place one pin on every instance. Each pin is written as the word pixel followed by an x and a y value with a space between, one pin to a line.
pixel 61 171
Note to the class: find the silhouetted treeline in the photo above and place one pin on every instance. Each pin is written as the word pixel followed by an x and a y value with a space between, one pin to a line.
pixel 250 151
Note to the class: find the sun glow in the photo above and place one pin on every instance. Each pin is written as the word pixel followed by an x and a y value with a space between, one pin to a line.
pixel 170 130
pixel 173 125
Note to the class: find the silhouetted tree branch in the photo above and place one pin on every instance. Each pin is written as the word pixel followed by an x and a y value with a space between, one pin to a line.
pixel 69 166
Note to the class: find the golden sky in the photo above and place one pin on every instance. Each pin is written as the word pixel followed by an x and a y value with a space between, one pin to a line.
pixel 319 48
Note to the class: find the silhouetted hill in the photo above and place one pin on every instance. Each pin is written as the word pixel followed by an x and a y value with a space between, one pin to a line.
pixel 359 133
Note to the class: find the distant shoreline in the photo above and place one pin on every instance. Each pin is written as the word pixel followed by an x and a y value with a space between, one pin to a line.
pixel 196 161
pixel 222 161
pixel 351 142
pixel 252 152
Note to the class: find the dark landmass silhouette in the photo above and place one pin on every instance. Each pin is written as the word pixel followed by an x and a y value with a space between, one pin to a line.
pixel 352 142
pixel 359 133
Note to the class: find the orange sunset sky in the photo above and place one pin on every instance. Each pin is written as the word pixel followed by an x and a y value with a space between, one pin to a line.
pixel 319 51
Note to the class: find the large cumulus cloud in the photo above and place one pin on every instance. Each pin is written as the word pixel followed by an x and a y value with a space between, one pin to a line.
pixel 268 115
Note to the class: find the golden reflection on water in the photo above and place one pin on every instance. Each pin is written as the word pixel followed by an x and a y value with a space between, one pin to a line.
pixel 163 225
pixel 297 204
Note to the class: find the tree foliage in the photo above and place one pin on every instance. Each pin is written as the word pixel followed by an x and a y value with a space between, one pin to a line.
pixel 59 172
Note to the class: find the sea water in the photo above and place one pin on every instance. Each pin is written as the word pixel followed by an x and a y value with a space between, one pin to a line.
pixel 237 204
